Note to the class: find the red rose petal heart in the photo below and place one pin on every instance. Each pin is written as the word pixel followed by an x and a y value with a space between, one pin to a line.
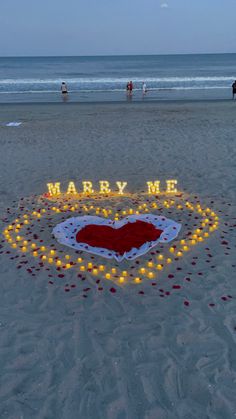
pixel 121 239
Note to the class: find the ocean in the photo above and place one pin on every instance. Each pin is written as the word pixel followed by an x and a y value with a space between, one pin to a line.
pixel 168 77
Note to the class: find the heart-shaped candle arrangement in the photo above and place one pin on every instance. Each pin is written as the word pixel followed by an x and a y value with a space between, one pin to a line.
pixel 127 238
pixel 116 228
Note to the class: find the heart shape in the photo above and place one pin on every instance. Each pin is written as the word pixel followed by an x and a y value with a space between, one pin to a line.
pixel 128 238
pixel 119 240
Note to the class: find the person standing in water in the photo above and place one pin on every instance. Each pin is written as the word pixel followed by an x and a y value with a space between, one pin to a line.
pixel 144 88
pixel 234 88
pixel 64 89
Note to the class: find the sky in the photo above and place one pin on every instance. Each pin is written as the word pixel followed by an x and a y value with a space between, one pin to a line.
pixel 111 27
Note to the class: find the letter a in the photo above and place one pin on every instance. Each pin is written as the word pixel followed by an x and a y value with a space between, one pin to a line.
pixel 71 188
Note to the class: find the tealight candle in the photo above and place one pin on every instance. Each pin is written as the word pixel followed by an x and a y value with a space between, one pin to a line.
pixel 150 264
pixel 159 267
pixel 108 275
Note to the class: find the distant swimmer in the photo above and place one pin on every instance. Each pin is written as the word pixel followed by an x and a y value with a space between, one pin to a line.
pixel 129 88
pixel 64 89
pixel 234 88
pixel 144 88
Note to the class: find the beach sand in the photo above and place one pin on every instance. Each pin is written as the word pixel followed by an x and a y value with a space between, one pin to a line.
pixel 122 355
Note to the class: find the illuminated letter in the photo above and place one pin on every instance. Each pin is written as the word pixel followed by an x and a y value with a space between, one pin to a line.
pixel 104 186
pixel 54 188
pixel 121 186
pixel 71 188
pixel 170 186
pixel 154 187
pixel 87 187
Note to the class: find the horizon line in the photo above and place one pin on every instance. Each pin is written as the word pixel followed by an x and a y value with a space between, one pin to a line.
pixel 116 55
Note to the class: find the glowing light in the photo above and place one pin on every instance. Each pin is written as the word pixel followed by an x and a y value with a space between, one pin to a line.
pixel 171 186
pixel 150 275
pixel 87 187
pixel 142 270
pixel 185 248
pixel 24 249
pixel 43 248
pixel 104 187
pixel 159 267
pixel 67 257
pixel 35 253
pixel 121 186
pixel 179 254
pixel 54 188
pixel 101 268
pixel 58 262
pixel 160 257
pixel 113 270
pixel 79 260
pixel 71 189
pixel 137 280
pixel 153 187
pixel 50 260
pixel 44 257
pixel 150 264
pixel 108 276
pixel 52 252
pixel 171 249
pixel 121 279
pixel 90 265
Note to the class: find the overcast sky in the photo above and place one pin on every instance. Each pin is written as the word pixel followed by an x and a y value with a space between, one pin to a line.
pixel 104 27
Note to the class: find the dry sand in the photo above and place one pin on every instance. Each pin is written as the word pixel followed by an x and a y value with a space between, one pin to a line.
pixel 124 355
